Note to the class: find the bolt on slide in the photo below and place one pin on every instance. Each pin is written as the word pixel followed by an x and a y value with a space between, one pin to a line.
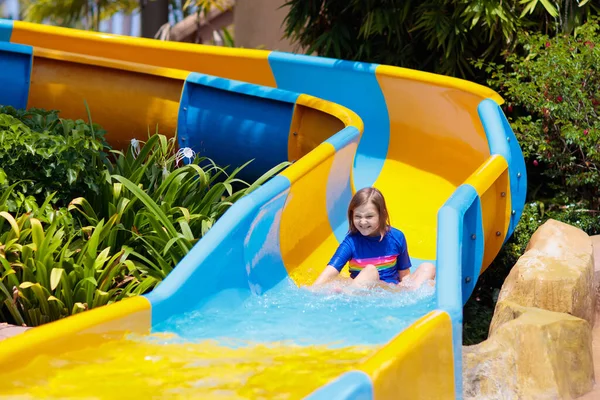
pixel 233 319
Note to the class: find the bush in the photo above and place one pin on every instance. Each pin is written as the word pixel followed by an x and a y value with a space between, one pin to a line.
pixel 43 154
pixel 432 35
pixel 553 101
pixel 161 208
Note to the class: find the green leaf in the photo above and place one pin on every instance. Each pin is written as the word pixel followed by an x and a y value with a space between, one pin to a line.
pixel 37 233
pixel 77 308
pixel 55 277
pixel 100 298
pixel 550 8
pixel 12 222
pixel 26 285
pixel 71 176
pixel 153 207
pixel 88 210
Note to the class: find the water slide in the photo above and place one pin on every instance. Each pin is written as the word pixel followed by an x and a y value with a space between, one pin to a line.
pixel 439 148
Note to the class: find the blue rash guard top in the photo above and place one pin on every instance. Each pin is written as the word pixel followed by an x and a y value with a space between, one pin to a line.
pixel 389 255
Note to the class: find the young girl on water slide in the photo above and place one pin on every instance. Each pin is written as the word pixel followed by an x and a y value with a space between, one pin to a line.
pixel 376 251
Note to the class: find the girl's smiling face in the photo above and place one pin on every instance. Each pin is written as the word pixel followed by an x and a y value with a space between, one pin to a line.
pixel 366 219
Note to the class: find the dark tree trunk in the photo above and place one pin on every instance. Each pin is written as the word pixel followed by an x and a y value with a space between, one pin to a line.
pixel 155 13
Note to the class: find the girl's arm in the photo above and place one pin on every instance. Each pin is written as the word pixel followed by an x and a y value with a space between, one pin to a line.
pixel 404 273
pixel 340 258
pixel 328 274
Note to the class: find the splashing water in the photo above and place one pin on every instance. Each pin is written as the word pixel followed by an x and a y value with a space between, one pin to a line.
pixel 281 345
pixel 300 316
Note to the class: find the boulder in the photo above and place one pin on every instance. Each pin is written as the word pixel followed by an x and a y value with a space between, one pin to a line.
pixel 556 273
pixel 532 354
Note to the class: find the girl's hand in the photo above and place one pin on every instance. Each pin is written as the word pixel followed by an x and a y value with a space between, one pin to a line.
pixel 327 275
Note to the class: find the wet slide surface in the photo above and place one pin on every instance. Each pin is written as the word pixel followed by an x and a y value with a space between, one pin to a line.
pixel 281 345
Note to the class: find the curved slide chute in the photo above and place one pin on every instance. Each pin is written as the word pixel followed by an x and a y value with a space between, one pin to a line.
pixel 439 148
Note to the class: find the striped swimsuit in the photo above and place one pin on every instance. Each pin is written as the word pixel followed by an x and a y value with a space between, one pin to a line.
pixel 389 255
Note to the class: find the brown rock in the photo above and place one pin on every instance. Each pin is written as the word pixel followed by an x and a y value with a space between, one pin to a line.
pixel 555 238
pixel 533 354
pixel 556 273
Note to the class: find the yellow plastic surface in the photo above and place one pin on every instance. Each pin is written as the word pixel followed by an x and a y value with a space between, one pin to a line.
pixel 492 184
pixel 241 64
pixel 432 156
pixel 416 364
pixel 306 243
pixel 138 99
pixel 155 367
pixel 87 330
pixel 314 121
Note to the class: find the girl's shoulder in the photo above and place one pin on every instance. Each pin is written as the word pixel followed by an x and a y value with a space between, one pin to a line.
pixel 397 235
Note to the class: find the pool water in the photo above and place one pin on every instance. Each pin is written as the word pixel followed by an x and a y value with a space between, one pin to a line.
pixel 300 316
pixel 281 345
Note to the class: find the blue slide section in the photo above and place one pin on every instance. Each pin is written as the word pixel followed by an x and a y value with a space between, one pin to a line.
pixel 234 122
pixel 503 141
pixel 6 27
pixel 349 84
pixel 15 73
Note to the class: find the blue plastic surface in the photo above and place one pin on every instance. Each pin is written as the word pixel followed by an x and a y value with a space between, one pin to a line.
pixel 262 254
pixel 15 76
pixel 349 84
pixel 339 190
pixel 460 245
pixel 233 122
pixel 353 385
pixel 219 261
pixel 6 27
pixel 503 141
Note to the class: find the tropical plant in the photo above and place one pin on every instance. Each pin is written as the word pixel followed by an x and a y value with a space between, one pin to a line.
pixel 156 203
pixel 44 154
pixel 433 35
pixel 162 206
pixel 50 269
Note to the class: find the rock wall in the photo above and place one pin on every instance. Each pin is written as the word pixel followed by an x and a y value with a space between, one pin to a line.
pixel 540 344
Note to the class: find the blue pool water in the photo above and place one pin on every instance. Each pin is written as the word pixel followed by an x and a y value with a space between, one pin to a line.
pixel 295 315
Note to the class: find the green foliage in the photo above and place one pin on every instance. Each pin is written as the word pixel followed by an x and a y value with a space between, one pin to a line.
pixel 49 269
pixel 551 86
pixel 150 210
pixel 163 209
pixel 432 35
pixel 43 154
